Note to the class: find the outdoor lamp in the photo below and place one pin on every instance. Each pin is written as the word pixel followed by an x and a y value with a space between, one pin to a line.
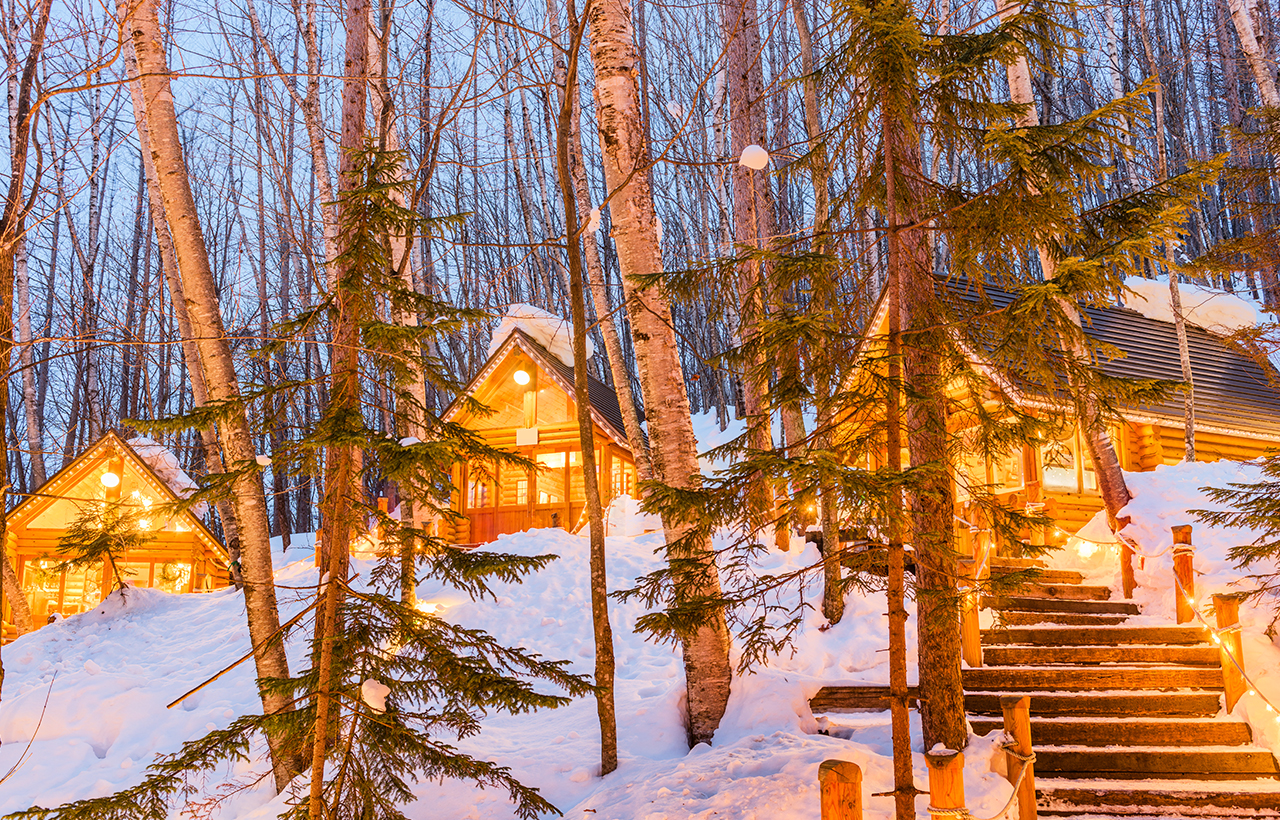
pixel 521 377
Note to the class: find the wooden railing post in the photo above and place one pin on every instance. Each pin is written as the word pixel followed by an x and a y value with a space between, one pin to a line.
pixel 970 602
pixel 1183 553
pixel 1017 724
pixel 946 779
pixel 1227 608
pixel 840 784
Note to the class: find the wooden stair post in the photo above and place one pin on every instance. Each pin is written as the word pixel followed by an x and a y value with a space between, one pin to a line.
pixel 1183 553
pixel 1017 724
pixel 946 782
pixel 840 786
pixel 970 629
pixel 1226 607
pixel 1127 582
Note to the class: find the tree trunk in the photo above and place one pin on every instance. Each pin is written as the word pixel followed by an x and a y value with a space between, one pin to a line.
pixel 674 451
pixel 604 673
pixel 599 291
pixel 1175 295
pixel 753 226
pixel 186 337
pixel 214 354
pixel 342 487
pixel 1102 452
pixel 1253 53
pixel 12 230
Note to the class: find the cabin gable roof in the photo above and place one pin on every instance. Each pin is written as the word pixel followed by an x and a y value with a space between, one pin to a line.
pixel 605 410
pixel 109 446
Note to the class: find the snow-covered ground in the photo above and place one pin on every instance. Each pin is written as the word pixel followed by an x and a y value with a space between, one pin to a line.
pixel 83 708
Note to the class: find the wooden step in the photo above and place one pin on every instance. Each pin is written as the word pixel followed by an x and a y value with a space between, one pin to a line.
pixel 1111 635
pixel 1019 603
pixel 1064 592
pixel 1080 678
pixel 1014 655
pixel 1209 763
pixel 1256 799
pixel 1122 732
pixel 1062 618
pixel 1038 575
pixel 1001 562
pixel 1090 704
pixel 854 698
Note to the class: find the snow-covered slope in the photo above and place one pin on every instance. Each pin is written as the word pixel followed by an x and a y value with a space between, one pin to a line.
pixel 1164 498
pixel 118 666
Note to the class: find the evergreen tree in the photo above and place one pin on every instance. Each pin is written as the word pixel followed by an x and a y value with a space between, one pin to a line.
pixel 103 532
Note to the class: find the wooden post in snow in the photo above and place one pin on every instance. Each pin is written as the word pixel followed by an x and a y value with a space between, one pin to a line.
pixel 946 779
pixel 1183 553
pixel 1127 582
pixel 840 785
pixel 1227 608
pixel 1017 724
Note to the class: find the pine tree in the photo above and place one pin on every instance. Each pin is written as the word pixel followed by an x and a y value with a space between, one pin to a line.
pixel 103 532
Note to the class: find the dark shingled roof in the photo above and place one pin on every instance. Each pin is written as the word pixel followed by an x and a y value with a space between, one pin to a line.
pixel 1232 390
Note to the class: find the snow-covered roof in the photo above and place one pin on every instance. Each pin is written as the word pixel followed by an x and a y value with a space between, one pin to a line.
pixel 547 329
pixel 165 463
pixel 1210 309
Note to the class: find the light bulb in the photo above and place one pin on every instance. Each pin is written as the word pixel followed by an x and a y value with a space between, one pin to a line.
pixel 110 479
pixel 521 377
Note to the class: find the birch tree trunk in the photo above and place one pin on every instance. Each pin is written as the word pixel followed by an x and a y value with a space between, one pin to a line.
pixel 190 351
pixel 12 229
pixel 673 448
pixel 214 355
pixel 1175 295
pixel 1254 53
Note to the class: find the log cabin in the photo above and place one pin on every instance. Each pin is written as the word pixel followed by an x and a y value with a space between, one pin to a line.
pixel 530 393
pixel 182 554
pixel 1237 412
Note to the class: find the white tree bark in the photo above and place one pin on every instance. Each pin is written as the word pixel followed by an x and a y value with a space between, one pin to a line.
pixel 142 25
pixel 1253 53
pixel 673 447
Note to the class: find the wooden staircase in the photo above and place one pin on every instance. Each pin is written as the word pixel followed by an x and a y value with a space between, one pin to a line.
pixel 1124 719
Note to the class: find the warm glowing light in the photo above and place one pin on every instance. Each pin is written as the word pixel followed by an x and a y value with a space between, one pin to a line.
pixel 1085 549
pixel 521 377
pixel 428 607
pixel 144 523
pixel 110 479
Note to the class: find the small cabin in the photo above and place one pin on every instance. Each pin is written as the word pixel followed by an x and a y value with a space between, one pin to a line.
pixel 530 392
pixel 181 555
pixel 1237 408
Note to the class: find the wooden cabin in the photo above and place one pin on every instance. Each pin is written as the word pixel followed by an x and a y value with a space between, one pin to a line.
pixel 1237 406
pixel 530 392
pixel 181 556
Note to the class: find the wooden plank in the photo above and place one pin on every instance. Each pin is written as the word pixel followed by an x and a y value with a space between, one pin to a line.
pixel 1124 732
pixel 1079 678
pixel 1137 704
pixel 1058 636
pixel 1005 655
pixel 1147 762
pixel 850 698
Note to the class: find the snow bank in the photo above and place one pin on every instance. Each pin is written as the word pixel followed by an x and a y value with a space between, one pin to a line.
pixel 1210 309
pixel 624 517
pixel 119 665
pixel 166 465
pixel 1163 499
pixel 547 329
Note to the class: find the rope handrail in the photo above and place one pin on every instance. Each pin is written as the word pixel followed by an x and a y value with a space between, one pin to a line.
pixel 1225 648
pixel 1012 802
